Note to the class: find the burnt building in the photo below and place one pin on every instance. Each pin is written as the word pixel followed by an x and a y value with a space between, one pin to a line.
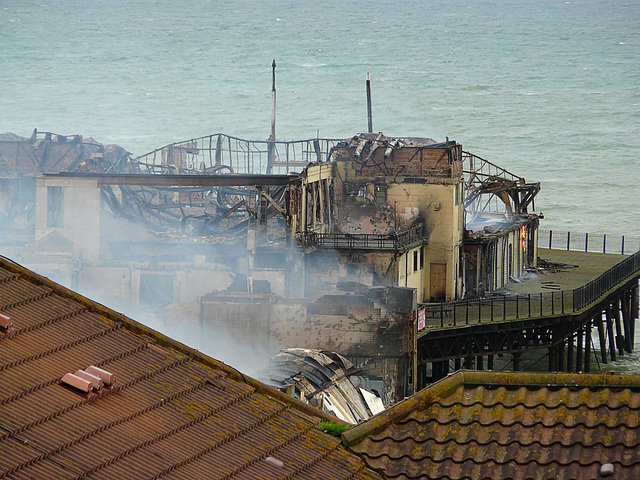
pixel 333 250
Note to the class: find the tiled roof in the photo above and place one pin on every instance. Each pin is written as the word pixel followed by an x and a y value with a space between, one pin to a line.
pixel 172 413
pixel 485 425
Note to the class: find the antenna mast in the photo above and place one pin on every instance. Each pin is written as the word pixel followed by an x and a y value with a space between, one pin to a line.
pixel 272 137
pixel 369 103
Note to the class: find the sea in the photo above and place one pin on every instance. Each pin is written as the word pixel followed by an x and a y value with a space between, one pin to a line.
pixel 548 89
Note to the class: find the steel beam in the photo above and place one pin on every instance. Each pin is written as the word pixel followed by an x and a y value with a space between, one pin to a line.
pixel 151 180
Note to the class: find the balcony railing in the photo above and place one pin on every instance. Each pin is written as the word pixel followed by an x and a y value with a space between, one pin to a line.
pixel 363 241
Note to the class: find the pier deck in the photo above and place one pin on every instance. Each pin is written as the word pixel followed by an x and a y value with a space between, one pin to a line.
pixel 582 268
pixel 559 310
pixel 546 294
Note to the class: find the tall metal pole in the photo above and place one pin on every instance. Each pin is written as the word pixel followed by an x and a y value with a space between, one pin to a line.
pixel 273 102
pixel 369 103
pixel 271 150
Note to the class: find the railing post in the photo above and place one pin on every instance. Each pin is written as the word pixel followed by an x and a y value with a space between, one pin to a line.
pixel 517 306
pixel 568 240
pixel 586 242
pixel 622 244
pixel 492 309
pixel 562 300
pixel 466 317
pixel 454 314
pixel 604 243
pixel 529 302
pixel 442 314
pixel 504 308
pixel 540 296
pixel 550 235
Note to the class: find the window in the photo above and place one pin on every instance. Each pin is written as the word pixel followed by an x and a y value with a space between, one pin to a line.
pixel 55 206
pixel 415 261
pixel 155 289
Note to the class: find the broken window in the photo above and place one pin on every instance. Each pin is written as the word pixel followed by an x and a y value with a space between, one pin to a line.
pixel 55 204
pixel 381 193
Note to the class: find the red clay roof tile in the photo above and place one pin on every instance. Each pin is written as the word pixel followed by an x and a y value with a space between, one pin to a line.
pixel 482 425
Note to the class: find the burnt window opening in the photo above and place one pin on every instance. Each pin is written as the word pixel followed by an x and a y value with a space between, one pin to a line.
pixel 381 193
pixel 155 289
pixel 55 206
pixel 416 267
pixel 421 257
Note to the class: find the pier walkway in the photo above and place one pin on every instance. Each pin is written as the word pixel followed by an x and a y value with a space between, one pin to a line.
pixel 558 308
pixel 571 281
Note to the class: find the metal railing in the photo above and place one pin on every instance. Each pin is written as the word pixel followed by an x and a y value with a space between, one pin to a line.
pixel 363 241
pixel 508 307
pixel 587 242
pixel 220 152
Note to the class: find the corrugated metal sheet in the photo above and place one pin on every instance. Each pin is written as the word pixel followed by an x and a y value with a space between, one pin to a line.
pixel 172 413
pixel 480 425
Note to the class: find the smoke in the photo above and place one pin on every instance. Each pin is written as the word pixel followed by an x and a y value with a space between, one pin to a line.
pixel 214 289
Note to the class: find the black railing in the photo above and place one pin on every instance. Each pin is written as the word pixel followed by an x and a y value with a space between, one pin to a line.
pixel 508 307
pixel 588 242
pixel 363 241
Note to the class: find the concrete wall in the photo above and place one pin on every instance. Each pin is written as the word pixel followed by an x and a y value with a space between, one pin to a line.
pixel 81 215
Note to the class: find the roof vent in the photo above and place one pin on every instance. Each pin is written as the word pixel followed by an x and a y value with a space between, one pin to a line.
pixel 77 382
pixel 91 378
pixel 5 322
pixel 107 378
pixel 6 326
pixel 96 382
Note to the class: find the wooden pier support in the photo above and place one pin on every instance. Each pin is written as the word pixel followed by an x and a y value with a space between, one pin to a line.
pixel 619 335
pixel 612 344
pixel 516 361
pixel 552 354
pixel 626 321
pixel 601 338
pixel 570 359
pixel 579 345
pixel 635 307
pixel 561 357
pixel 587 347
